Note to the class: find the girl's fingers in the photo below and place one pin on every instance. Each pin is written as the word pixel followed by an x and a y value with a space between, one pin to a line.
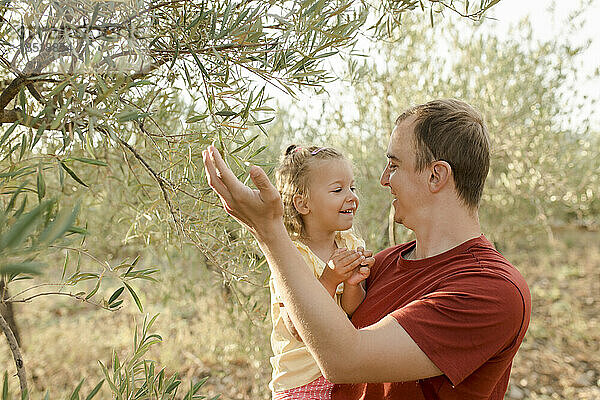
pixel 369 261
pixel 346 258
pixel 338 251
pixel 350 266
pixel 364 271
pixel 339 254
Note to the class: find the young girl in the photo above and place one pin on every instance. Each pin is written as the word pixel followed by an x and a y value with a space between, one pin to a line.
pixel 319 200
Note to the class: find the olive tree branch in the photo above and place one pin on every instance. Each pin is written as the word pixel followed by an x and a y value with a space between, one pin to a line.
pixel 10 66
pixel 16 352
pixel 476 15
pixel 158 178
pixel 12 89
pixel 10 299
pixel 85 253
pixel 10 116
pixel 75 296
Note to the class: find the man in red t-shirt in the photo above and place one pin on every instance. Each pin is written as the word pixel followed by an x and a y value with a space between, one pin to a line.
pixel 466 308
pixel 445 314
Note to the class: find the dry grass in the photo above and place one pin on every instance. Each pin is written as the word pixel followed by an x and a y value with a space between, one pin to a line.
pixel 205 335
pixel 560 358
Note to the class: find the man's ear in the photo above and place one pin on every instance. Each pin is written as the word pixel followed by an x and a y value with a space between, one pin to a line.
pixel 441 173
pixel 301 204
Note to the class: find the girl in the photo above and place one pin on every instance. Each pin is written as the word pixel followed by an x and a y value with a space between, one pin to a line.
pixel 319 200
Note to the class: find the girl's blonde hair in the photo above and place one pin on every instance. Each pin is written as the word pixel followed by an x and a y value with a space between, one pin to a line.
pixel 292 178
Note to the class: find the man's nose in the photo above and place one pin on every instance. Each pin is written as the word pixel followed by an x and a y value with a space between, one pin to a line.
pixel 385 177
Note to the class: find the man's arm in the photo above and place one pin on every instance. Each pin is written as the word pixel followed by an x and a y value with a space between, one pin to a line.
pixel 383 352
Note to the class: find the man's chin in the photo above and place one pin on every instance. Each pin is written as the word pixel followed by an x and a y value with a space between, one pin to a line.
pixel 397 216
pixel 399 219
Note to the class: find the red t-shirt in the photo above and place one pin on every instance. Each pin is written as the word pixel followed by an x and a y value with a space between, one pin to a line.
pixel 467 309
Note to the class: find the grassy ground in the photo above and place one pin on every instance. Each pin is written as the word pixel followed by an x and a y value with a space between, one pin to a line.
pixel 560 358
pixel 205 335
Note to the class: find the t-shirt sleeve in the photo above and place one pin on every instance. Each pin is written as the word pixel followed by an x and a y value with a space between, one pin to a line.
pixel 471 319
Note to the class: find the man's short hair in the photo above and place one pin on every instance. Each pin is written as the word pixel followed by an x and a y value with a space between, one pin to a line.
pixel 453 131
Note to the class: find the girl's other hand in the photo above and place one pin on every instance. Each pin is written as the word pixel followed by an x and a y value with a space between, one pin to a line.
pixel 362 272
pixel 341 266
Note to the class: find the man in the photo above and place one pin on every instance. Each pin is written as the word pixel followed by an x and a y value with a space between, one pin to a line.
pixel 445 314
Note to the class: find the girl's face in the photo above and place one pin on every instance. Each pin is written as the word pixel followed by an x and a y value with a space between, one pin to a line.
pixel 332 201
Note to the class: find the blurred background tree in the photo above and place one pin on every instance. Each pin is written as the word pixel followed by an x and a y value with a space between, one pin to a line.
pixel 544 169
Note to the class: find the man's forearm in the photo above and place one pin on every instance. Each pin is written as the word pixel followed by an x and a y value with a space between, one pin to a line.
pixel 323 326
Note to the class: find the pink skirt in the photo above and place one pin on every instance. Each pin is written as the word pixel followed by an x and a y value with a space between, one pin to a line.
pixel 319 389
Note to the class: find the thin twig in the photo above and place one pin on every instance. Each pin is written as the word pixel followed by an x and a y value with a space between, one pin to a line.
pixel 85 253
pixel 151 67
pixel 218 265
pixel 475 16
pixel 135 175
pixel 145 131
pixel 9 300
pixel 158 178
pixel 16 352
pixel 10 66
pixel 75 296
pixel 150 8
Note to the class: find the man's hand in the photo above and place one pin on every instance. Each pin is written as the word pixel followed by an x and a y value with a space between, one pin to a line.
pixel 259 210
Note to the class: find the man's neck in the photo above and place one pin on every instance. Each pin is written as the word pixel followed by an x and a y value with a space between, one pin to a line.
pixel 438 235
